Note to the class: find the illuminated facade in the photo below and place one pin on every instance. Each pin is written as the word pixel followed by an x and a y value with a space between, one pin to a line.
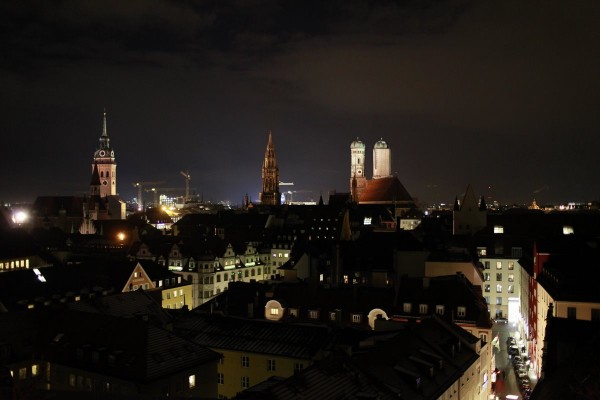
pixel 104 164
pixel 270 194
pixel 382 165
pixel 357 169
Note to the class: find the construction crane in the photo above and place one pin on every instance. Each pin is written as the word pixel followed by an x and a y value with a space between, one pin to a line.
pixel 139 186
pixel 188 178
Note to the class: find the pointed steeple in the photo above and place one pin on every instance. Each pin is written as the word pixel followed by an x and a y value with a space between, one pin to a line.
pixel 104 134
pixel 95 182
pixel 482 204
pixel 270 176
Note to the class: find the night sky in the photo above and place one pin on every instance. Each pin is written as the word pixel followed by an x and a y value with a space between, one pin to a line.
pixel 504 95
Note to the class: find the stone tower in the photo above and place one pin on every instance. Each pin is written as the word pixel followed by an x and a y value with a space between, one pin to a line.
pixel 357 169
pixel 270 176
pixel 104 165
pixel 382 166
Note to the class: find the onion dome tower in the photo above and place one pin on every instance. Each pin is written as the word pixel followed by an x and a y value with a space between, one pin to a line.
pixel 382 166
pixel 357 168
pixel 104 164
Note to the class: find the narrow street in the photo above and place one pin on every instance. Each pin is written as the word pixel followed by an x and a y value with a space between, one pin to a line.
pixel 506 381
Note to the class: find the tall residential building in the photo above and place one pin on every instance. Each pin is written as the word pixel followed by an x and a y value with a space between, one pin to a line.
pixel 270 176
pixel 104 165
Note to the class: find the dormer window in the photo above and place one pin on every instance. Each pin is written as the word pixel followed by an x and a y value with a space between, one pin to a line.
pixel 568 230
pixel 356 318
pixel 439 309
pixel 313 314
pixel 332 316
pixel 407 307
pixel 423 308
pixel 461 311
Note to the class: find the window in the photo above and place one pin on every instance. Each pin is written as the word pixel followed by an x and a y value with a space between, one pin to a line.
pixel 511 265
pixel 423 308
pixel 274 311
pixel 35 370
pixel 499 277
pixel 487 276
pixel 511 277
pixel 313 314
pixel 487 299
pixel 498 288
pixel 245 382
pixel 481 251
pixel 356 318
pixel 298 366
pixel 572 312
pixel 270 365
pixel 22 373
pixel 595 314
pixel 406 307
pixel 498 301
pixel 245 362
pixel 568 230
pixel 439 309
pixel 498 229
pixel 332 316
pixel 218 277
pixel 486 264
pixel 192 381
pixel 498 264
pixel 220 378
pixel 487 288
pixel 483 338
pixel 511 289
pixel 461 311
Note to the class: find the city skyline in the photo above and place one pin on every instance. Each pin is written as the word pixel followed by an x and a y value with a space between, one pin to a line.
pixel 499 96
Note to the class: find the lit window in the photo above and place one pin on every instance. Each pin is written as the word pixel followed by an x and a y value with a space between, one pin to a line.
pixel 498 229
pixel 498 288
pixel 461 311
pixel 313 314
pixel 498 264
pixel 35 370
pixel 423 308
pixel 274 311
pixel 487 288
pixel 487 276
pixel 498 301
pixel 356 318
pixel 245 362
pixel 406 307
pixel 192 381
pixel 511 289
pixel 511 265
pixel 568 230
pixel 439 309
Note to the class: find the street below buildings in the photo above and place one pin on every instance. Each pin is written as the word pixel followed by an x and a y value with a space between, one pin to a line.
pixel 507 382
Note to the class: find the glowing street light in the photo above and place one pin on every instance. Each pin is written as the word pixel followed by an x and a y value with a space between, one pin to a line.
pixel 19 217
pixel 121 236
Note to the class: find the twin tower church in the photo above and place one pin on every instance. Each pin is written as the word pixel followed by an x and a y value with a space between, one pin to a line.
pixel 383 188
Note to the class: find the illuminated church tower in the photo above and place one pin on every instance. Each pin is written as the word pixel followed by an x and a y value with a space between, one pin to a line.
pixel 270 176
pixel 104 165
pixel 382 166
pixel 357 169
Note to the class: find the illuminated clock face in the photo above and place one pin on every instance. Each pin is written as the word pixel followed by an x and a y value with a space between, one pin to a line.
pixel 104 183
pixel 102 153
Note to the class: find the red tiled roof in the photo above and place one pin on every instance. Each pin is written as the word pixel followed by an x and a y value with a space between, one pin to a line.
pixel 384 190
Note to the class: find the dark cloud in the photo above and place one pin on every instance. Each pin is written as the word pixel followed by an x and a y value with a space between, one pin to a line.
pixel 489 93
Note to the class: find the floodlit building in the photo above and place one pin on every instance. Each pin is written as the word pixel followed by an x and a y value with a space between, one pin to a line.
pixel 270 194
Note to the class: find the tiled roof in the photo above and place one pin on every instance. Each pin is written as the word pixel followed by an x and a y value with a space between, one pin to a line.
pixel 254 336
pixel 384 190
pixel 142 352
pixel 336 377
